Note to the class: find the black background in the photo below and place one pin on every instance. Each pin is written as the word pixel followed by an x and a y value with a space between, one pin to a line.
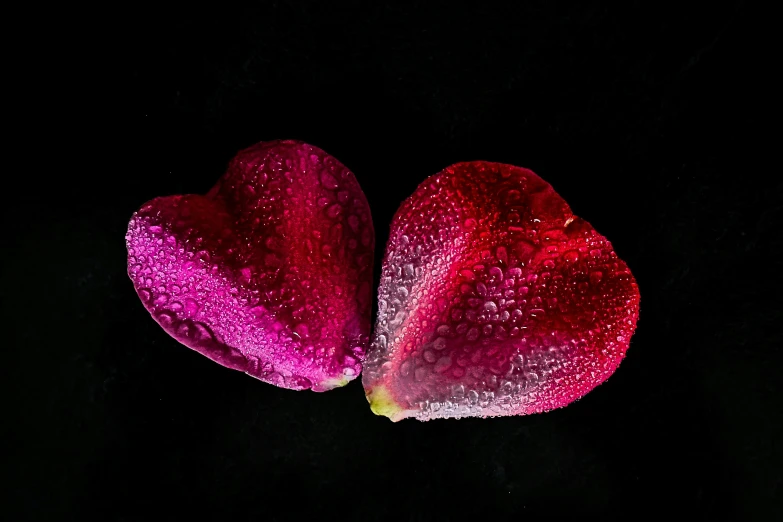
pixel 648 120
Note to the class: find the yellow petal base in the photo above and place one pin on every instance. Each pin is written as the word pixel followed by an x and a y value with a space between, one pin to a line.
pixel 382 403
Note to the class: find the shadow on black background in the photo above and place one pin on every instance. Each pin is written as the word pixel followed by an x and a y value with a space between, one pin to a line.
pixel 644 119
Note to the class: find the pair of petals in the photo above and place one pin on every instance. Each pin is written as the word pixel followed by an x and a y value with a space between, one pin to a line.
pixel 494 298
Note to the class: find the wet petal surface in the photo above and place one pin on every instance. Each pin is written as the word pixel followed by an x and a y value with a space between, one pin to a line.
pixel 494 300
pixel 270 273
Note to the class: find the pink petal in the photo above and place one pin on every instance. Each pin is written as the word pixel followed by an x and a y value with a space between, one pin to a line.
pixel 270 273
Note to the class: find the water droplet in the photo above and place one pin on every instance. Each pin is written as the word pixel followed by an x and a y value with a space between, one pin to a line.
pixel 275 378
pixel 299 382
pixel 398 318
pixel 334 211
pixel 302 330
pixel 502 255
pixel 469 275
pixel 485 398
pixel 166 318
pixel 191 306
pixel 443 364
pixel 495 274
pixel 201 333
pixel 328 181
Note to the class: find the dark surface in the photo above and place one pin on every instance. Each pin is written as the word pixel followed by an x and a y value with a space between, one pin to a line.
pixel 646 120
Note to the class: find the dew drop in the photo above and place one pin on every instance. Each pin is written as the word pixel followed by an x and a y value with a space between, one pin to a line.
pixel 495 273
pixel 328 181
pixel 334 211
pixel 443 364
pixel 502 254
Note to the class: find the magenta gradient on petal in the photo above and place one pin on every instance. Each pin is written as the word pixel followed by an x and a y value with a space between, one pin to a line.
pixel 494 300
pixel 270 273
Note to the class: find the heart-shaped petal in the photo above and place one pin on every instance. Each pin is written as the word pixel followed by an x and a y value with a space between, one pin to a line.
pixel 494 300
pixel 270 273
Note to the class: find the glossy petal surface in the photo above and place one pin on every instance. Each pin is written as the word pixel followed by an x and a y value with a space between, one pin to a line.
pixel 494 300
pixel 270 273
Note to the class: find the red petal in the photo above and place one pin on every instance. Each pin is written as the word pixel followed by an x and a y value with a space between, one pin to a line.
pixel 270 273
pixel 494 300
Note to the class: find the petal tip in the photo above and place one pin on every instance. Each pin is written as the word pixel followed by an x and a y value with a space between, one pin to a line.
pixel 383 404
pixel 332 383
